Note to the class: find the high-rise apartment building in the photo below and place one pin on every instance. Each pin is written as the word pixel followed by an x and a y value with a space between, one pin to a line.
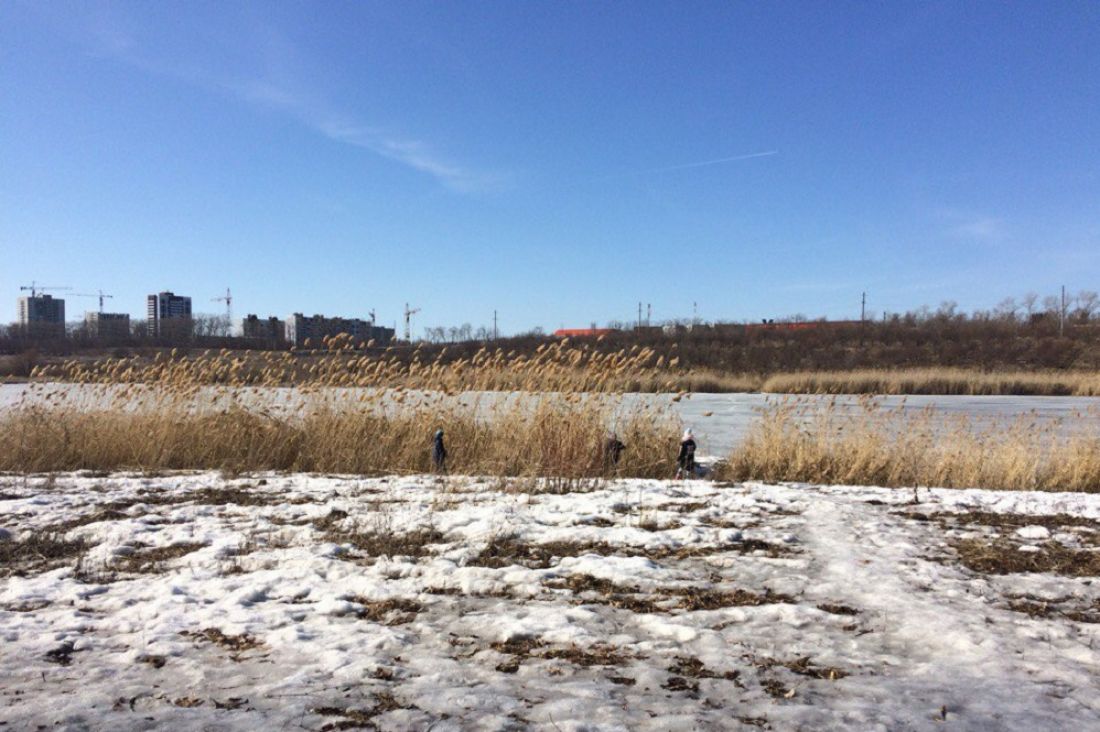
pixel 168 312
pixel 316 328
pixel 107 325
pixel 42 315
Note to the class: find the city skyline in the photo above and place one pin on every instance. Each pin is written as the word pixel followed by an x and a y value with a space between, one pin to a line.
pixel 554 163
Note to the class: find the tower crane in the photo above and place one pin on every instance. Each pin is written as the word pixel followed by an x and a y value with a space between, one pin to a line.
pixel 408 320
pixel 35 288
pixel 100 294
pixel 228 300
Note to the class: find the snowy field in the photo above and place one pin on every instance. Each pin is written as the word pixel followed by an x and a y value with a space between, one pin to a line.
pixel 199 602
pixel 720 421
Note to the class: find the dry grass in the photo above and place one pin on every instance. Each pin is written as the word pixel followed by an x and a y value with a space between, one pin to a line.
pixel 556 437
pixel 798 441
pixel 162 416
pixel 559 367
pixel 936 381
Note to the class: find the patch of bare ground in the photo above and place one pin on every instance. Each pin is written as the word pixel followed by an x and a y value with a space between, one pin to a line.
pixel 1063 607
pixel 151 561
pixel 692 598
pixel 522 648
pixel 28 606
pixel 356 718
pixel 589 589
pixel 1002 556
pixel 377 543
pixel 692 668
pixel 1004 520
pixel 457 592
pixel 837 609
pixel 38 553
pixel 801 666
pixel 232 495
pixel 653 525
pixel 391 611
pixel 237 645
pixel 685 507
pixel 600 654
pixel 518 648
pixel 62 654
pixel 509 550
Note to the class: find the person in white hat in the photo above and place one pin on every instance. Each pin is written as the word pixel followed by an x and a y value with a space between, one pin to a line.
pixel 685 461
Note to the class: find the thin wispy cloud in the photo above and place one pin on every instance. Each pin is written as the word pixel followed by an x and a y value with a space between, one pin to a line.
pixel 107 35
pixel 984 229
pixel 715 161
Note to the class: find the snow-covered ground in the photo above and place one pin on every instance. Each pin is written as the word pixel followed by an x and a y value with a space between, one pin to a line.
pixel 305 602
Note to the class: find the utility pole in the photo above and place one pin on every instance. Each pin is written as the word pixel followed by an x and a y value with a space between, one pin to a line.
pixel 694 313
pixel 1062 314
pixel 496 333
pixel 862 318
pixel 648 314
pixel 639 327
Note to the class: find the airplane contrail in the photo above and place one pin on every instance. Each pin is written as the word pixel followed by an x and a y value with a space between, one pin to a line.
pixel 716 161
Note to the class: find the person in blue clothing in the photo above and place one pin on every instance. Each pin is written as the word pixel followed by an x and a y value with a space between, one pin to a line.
pixel 685 461
pixel 439 452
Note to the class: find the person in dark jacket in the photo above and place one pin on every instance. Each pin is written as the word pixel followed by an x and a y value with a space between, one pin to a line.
pixel 685 461
pixel 439 452
pixel 612 451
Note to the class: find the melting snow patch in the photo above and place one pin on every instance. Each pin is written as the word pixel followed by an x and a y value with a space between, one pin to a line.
pixel 638 605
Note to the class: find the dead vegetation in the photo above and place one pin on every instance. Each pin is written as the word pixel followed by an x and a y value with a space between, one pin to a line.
pixel 1063 607
pixel 38 553
pixel 508 550
pixel 381 541
pixel 936 381
pixel 153 560
pixel 588 589
pixel 237 645
pixel 391 611
pixel 797 440
pixel 1003 556
pixel 165 415
pixel 355 718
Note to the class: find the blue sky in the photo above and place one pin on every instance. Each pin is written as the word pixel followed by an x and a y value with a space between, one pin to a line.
pixel 557 161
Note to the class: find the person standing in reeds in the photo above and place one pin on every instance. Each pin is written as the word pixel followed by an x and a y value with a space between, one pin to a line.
pixel 612 451
pixel 439 452
pixel 685 461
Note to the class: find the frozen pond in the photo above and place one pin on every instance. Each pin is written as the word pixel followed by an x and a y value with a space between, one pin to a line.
pixel 719 420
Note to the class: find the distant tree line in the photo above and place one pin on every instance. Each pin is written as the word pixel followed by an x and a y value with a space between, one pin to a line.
pixel 1029 332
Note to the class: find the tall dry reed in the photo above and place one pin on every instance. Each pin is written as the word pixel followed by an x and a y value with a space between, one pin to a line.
pixel 936 381
pixel 873 445
pixel 164 415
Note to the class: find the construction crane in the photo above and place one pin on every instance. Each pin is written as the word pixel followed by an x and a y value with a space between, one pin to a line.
pixel 228 300
pixel 408 321
pixel 100 294
pixel 35 288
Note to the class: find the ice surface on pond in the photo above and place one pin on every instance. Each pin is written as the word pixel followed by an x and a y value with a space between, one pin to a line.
pixel 193 602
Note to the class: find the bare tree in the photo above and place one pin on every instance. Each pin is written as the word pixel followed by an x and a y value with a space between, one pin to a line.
pixel 1006 309
pixel 1028 303
pixel 1087 304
